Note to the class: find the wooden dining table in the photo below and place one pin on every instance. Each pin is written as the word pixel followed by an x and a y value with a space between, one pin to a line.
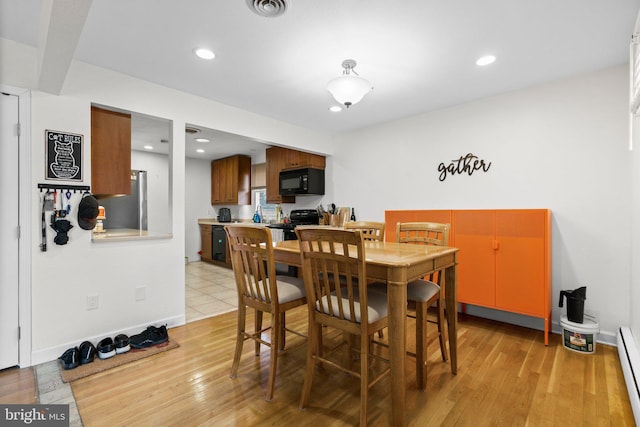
pixel 398 264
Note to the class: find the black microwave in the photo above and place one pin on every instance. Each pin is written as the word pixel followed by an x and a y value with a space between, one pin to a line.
pixel 302 181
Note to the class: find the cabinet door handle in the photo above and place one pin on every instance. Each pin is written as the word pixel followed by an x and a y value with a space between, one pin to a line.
pixel 495 245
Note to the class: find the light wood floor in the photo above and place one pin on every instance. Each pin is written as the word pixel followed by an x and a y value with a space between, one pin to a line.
pixel 18 386
pixel 506 376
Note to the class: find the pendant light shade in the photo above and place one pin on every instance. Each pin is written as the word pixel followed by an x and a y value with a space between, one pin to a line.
pixel 349 89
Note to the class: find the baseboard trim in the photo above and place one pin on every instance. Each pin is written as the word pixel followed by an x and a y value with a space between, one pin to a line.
pixel 630 361
pixel 52 353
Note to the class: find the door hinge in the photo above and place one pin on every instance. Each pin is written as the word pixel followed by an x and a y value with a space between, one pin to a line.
pixel 18 128
pixel 18 232
pixel 19 333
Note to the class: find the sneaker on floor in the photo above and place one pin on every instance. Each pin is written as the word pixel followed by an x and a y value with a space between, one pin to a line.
pixel 87 352
pixel 69 358
pixel 149 337
pixel 122 343
pixel 106 348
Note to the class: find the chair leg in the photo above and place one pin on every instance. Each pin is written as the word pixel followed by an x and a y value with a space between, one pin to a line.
pixel 315 332
pixel 421 343
pixel 364 377
pixel 273 362
pixel 242 315
pixel 442 331
pixel 282 330
pixel 258 326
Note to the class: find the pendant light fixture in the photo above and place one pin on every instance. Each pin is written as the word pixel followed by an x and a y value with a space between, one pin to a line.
pixel 349 88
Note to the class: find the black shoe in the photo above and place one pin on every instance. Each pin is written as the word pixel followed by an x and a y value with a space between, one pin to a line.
pixel 87 352
pixel 150 336
pixel 122 344
pixel 69 358
pixel 106 349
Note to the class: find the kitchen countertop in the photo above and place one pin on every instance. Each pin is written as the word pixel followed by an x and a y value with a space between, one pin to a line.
pixel 214 221
pixel 125 234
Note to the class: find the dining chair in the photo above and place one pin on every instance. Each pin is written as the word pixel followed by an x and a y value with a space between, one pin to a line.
pixel 260 288
pixel 333 263
pixel 423 293
pixel 371 230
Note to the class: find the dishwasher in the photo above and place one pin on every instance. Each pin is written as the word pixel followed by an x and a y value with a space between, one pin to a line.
pixel 218 243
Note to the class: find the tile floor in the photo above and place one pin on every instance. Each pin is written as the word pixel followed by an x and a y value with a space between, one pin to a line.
pixel 51 390
pixel 210 290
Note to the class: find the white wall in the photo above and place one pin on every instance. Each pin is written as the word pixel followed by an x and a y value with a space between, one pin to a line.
pixel 561 146
pixel 197 196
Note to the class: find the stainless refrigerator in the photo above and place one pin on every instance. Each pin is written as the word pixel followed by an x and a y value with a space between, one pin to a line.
pixel 128 211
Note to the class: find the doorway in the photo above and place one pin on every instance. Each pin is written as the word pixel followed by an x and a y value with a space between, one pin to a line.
pixel 15 229
pixel 9 232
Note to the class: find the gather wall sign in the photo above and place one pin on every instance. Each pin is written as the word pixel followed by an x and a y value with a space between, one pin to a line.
pixel 465 164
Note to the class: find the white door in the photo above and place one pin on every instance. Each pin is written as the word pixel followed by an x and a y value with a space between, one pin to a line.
pixel 9 349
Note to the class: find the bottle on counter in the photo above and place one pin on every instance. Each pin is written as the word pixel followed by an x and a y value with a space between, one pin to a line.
pixel 353 215
pixel 256 216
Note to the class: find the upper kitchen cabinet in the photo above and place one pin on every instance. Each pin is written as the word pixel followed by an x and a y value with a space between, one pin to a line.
pixel 231 181
pixel 279 159
pixel 110 152
pixel 299 159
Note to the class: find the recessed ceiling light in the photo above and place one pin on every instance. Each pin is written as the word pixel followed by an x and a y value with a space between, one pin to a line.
pixel 204 53
pixel 199 150
pixel 202 140
pixel 485 60
pixel 148 147
pixel 335 108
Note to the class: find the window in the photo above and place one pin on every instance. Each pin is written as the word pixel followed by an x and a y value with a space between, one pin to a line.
pixel 259 198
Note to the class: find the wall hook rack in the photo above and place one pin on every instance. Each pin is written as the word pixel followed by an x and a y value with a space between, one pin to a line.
pixel 63 187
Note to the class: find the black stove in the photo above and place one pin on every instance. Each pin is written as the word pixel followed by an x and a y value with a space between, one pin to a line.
pixel 304 217
pixel 298 217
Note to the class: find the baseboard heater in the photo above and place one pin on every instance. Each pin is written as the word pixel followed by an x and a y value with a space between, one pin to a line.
pixel 630 361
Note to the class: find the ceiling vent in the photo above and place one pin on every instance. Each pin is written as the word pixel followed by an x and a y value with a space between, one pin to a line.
pixel 268 8
pixel 191 130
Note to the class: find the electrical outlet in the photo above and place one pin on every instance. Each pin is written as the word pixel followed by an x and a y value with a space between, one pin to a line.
pixel 141 293
pixel 92 302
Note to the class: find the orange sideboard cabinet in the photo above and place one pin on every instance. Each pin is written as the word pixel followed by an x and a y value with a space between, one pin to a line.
pixel 504 261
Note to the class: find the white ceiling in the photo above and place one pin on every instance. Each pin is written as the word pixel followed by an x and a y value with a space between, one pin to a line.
pixel 419 54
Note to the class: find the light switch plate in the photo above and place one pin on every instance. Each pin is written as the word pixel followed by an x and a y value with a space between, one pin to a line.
pixel 92 302
pixel 141 293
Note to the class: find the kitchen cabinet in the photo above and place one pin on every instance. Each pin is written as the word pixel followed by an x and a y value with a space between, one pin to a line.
pixel 279 159
pixel 110 152
pixel 205 243
pixel 231 181
pixel 504 261
pixel 299 159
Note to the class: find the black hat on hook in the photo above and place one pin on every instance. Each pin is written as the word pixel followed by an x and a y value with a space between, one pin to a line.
pixel 87 212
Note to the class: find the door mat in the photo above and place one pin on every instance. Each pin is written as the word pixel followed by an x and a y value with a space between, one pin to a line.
pixel 99 365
